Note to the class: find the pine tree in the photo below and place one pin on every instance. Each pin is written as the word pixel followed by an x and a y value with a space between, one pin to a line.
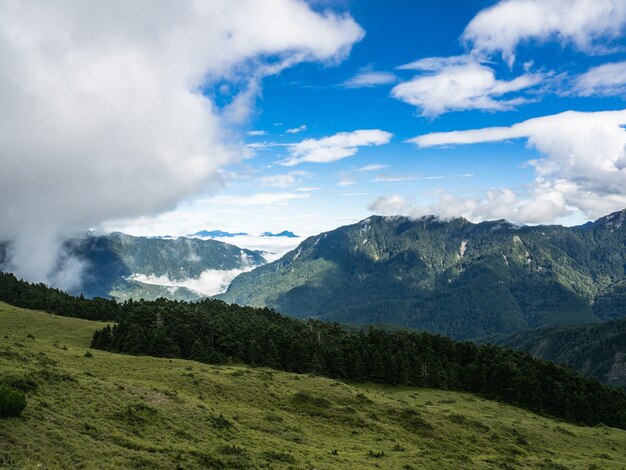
pixel 198 352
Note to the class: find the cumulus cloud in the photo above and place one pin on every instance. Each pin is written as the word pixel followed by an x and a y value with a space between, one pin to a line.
pixel 390 205
pixel 336 147
pixel 256 133
pixel 460 83
pixel 102 117
pixel 582 167
pixel 370 79
pixel 495 204
pixel 584 24
pixel 603 80
pixel 297 130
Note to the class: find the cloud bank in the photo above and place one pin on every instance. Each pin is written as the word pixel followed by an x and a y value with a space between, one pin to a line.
pixel 102 113
pixel 582 167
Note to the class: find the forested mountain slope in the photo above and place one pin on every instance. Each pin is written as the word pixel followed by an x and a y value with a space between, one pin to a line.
pixel 597 350
pixel 451 277
pixel 120 265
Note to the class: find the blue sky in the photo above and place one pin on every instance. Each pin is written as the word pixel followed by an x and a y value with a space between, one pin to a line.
pixel 257 115
pixel 318 100
pixel 314 100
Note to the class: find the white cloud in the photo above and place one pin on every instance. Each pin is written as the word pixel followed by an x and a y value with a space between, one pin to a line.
pixel 101 117
pixel 336 147
pixel 387 178
pixel 585 24
pixel 583 163
pixel 210 282
pixel 370 79
pixel 273 248
pixel 603 80
pixel 390 205
pixel 458 84
pixel 259 199
pixel 494 204
pixel 297 130
pixel 283 180
pixel 373 167
pixel 346 183
pixel 435 64
pixel 256 133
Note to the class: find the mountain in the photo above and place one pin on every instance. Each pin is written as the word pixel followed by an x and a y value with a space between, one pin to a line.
pixel 284 233
pixel 123 266
pixel 216 234
pixel 597 350
pixel 111 411
pixel 451 277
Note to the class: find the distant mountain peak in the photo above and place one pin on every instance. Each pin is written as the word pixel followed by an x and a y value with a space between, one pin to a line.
pixel 284 233
pixel 216 234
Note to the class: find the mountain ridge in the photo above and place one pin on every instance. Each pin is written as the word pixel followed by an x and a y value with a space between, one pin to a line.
pixel 451 277
pixel 113 260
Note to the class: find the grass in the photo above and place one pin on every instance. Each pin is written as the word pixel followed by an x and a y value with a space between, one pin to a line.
pixel 104 411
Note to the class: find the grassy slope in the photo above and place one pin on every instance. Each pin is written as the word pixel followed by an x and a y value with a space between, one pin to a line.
pixel 116 411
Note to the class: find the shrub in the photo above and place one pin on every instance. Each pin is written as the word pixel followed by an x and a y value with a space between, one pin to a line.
pixel 12 402
pixel 220 422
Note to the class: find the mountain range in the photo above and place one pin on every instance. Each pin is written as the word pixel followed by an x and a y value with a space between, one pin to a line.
pixel 284 233
pixel 123 266
pixel 451 277
pixel 216 234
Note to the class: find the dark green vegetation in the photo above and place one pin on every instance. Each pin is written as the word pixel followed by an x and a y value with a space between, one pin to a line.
pixel 213 332
pixel 12 402
pixel 107 411
pixel 41 297
pixel 450 277
pixel 112 259
pixel 597 350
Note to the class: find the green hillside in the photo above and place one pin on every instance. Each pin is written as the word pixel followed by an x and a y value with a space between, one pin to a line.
pixel 112 260
pixel 450 277
pixel 595 350
pixel 117 411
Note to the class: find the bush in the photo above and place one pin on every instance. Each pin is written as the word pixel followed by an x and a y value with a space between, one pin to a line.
pixel 12 402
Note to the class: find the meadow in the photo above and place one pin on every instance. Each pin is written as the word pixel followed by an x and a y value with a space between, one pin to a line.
pixel 93 409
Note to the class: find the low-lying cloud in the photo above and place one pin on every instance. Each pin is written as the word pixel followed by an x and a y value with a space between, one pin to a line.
pixel 210 282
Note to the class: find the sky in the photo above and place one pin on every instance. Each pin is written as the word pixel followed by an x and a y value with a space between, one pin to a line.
pixel 163 117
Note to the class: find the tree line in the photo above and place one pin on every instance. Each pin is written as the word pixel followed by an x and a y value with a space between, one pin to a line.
pixel 214 332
